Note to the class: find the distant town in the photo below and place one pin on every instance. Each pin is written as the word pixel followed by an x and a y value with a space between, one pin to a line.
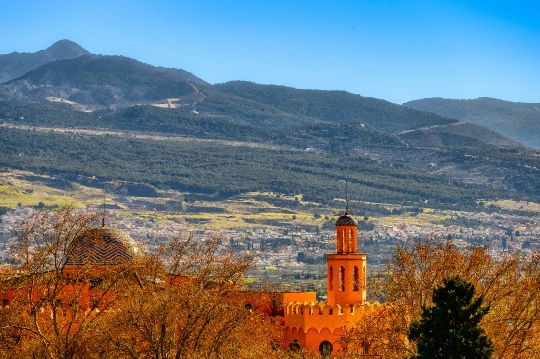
pixel 295 256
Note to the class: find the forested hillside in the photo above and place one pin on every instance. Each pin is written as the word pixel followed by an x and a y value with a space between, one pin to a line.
pixel 183 122
pixel 224 170
pixel 339 146
pixel 99 82
pixel 334 106
pixel 185 74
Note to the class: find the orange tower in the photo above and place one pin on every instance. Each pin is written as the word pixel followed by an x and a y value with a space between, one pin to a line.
pixel 318 326
pixel 346 269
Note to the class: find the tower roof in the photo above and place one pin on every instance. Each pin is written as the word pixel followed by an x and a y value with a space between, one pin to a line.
pixel 346 220
pixel 101 246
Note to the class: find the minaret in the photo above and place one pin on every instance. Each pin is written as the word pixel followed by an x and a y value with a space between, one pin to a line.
pixel 346 269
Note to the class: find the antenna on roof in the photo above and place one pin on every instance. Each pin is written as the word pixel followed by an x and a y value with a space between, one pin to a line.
pixel 346 196
pixel 103 218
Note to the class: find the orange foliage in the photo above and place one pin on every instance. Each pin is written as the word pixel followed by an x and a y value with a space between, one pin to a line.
pixel 138 309
pixel 509 283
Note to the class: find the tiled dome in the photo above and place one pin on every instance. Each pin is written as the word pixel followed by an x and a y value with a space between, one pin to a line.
pixel 346 220
pixel 102 246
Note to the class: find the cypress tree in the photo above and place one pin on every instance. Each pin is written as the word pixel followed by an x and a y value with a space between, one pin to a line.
pixel 450 328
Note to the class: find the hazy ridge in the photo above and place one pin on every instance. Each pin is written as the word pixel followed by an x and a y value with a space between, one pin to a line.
pixel 517 120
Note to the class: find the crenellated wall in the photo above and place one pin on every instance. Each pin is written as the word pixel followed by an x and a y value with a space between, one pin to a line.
pixel 311 324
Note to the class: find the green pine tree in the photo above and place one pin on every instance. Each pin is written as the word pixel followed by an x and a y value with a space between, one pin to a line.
pixel 450 328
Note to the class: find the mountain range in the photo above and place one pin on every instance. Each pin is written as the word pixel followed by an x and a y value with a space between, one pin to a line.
pixel 66 87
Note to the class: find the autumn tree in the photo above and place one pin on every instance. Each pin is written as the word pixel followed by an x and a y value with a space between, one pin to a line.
pixel 375 334
pixel 183 300
pixel 189 305
pixel 450 328
pixel 508 282
pixel 46 314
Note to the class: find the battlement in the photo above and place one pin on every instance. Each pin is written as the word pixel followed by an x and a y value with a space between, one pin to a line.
pixel 311 315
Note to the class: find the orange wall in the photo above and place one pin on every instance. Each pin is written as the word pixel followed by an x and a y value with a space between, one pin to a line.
pixel 313 338
pixel 348 262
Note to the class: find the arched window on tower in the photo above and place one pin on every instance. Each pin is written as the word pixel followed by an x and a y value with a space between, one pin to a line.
pixel 355 279
pixel 364 278
pixel 331 279
pixel 341 279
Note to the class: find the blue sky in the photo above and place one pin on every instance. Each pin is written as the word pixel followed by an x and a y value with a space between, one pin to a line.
pixel 394 50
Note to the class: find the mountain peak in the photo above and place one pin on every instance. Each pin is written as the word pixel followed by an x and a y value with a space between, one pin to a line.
pixel 65 49
pixel 17 64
